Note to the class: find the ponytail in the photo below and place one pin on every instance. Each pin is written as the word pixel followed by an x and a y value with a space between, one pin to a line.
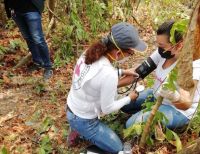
pixel 97 50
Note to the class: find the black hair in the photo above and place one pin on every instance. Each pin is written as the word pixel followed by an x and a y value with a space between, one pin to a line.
pixel 165 28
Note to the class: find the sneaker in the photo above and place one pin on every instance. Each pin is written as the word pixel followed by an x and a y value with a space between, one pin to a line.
pixel 73 138
pixel 34 67
pixel 47 74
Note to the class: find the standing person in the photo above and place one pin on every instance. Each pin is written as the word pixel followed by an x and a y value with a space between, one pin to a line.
pixel 177 106
pixel 27 16
pixel 94 86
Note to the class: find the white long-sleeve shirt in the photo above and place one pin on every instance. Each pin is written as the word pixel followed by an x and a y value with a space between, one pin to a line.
pixel 94 88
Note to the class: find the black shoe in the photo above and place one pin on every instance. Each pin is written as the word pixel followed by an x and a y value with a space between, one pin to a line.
pixel 34 67
pixel 47 73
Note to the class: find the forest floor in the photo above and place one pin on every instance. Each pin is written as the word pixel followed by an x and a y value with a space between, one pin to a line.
pixel 32 111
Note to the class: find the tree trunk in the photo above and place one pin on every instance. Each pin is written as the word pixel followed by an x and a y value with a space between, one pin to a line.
pixel 51 6
pixel 149 121
pixel 2 15
pixel 196 54
pixel 190 50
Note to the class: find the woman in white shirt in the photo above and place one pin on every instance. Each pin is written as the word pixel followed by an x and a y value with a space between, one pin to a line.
pixel 177 106
pixel 94 86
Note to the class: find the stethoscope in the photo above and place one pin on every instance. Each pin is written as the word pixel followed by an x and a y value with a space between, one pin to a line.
pixel 133 86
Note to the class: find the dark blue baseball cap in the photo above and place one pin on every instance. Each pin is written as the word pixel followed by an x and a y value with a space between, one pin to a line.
pixel 126 36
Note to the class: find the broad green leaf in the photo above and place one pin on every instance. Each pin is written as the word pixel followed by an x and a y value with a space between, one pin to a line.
pixel 171 80
pixel 179 26
pixel 174 139
pixel 159 117
pixel 149 141
pixel 135 129
pixel 149 81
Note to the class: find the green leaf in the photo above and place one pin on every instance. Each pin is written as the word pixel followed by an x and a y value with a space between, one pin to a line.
pixel 150 81
pixel 4 150
pixel 149 141
pixel 3 50
pixel 42 151
pixel 159 117
pixel 135 129
pixel 179 26
pixel 45 145
pixel 171 80
pixel 173 139
pixel 46 124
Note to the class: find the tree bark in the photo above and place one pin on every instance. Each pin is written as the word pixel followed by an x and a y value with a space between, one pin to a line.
pixel 149 121
pixel 190 50
pixel 2 14
pixel 196 54
pixel 51 5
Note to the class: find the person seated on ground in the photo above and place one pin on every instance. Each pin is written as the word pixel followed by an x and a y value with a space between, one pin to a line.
pixel 94 86
pixel 177 106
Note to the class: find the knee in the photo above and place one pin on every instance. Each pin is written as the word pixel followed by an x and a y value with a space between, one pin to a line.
pixel 130 121
pixel 117 147
pixel 139 117
pixel 38 39
pixel 149 92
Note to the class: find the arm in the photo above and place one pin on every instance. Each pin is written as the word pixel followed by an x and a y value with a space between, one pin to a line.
pixel 126 80
pixel 127 77
pixel 186 98
pixel 144 69
pixel 181 99
pixel 108 92
pixel 184 101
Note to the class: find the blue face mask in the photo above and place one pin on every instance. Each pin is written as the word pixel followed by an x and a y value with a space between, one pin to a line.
pixel 165 54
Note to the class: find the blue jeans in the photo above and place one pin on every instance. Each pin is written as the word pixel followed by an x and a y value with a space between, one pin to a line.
pixel 31 28
pixel 135 106
pixel 176 119
pixel 96 132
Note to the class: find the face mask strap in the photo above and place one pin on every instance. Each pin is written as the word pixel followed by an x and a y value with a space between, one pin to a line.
pixel 173 46
pixel 116 45
pixel 111 57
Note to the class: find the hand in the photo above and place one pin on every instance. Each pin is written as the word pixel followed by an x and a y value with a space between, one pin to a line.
pixel 130 72
pixel 173 96
pixel 133 95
